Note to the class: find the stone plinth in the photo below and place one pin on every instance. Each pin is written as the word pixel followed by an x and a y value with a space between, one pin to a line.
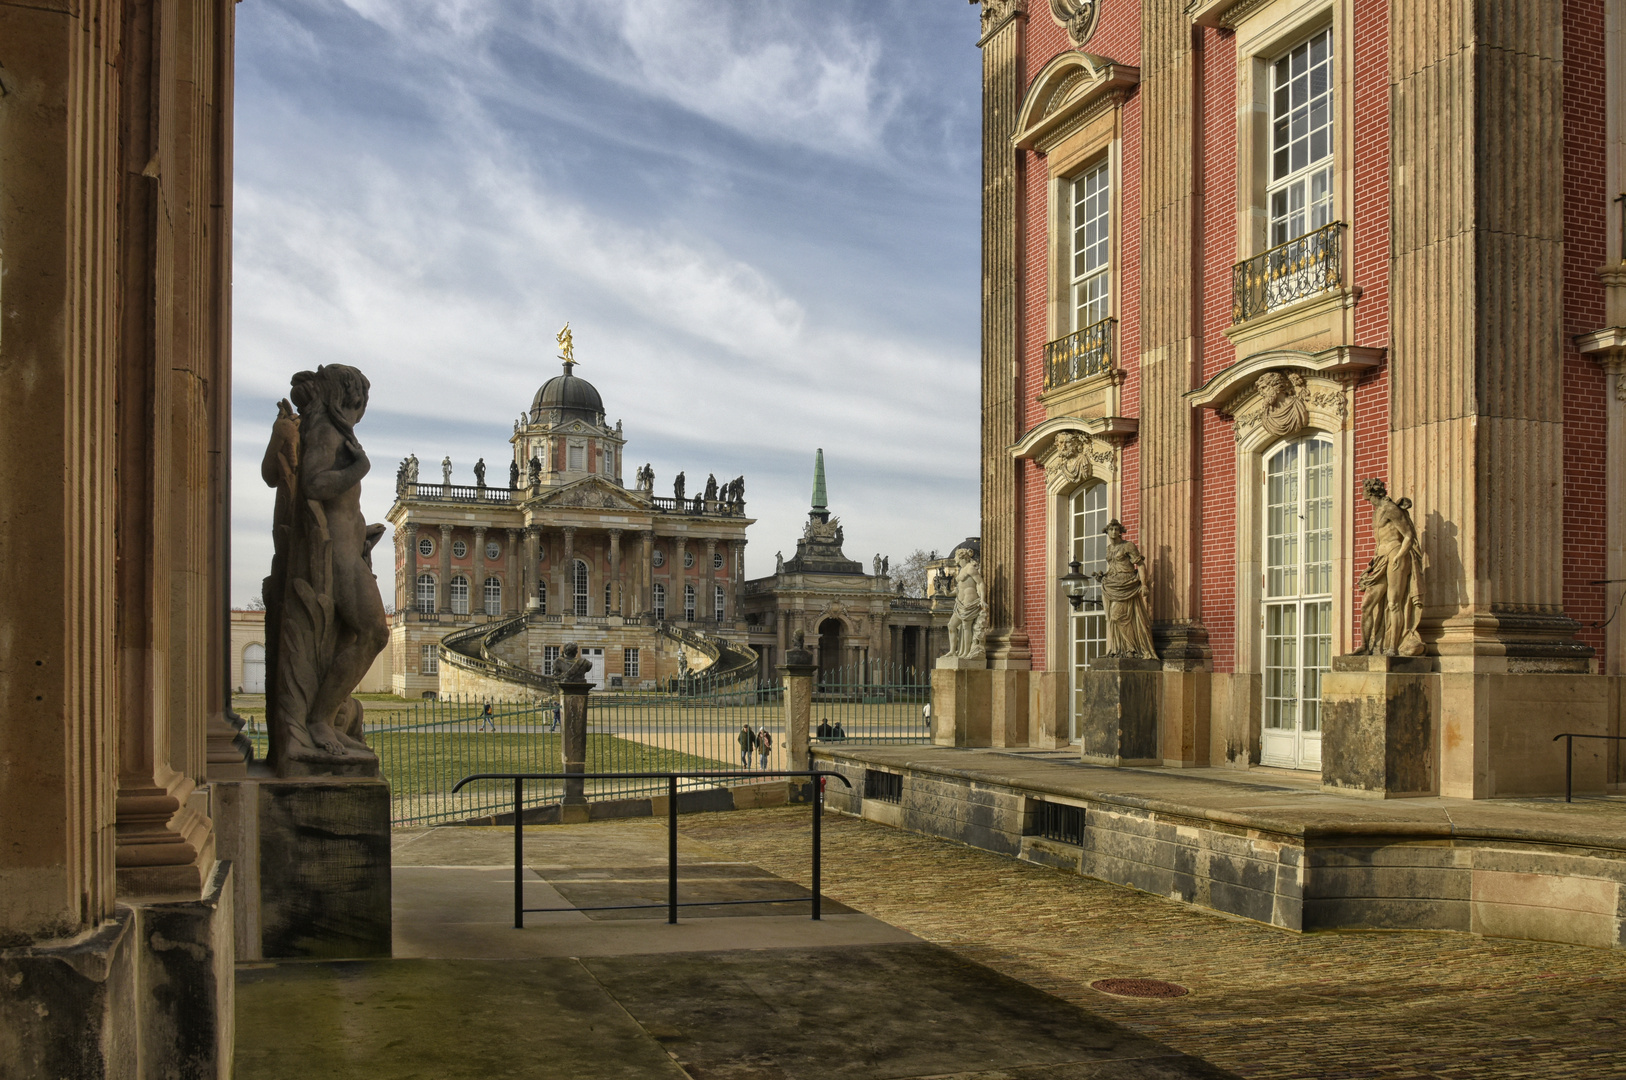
pixel 1378 727
pixel 574 714
pixel 313 859
pixel 950 662
pixel 1119 720
pixel 798 711
pixel 962 704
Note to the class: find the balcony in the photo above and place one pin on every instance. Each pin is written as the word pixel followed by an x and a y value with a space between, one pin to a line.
pixel 1306 266
pixel 454 493
pixel 1090 351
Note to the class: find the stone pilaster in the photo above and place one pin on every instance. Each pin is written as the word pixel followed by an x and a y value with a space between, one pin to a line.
pixel 1170 360
pixel 477 580
pixel 679 579
pixel 736 580
pixel 565 574
pixel 514 583
pixel 706 606
pixel 646 572
pixel 615 572
pixel 1003 24
pixel 409 602
pixel 1476 403
pixel 445 569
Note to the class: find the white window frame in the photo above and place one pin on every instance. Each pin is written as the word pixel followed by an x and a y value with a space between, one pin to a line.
pixel 429 658
pixel 460 595
pixel 426 546
pixel 542 596
pixel 1314 180
pixel 1087 627
pixel 688 603
pixel 608 597
pixel 581 583
pixel 493 551
pixel 550 658
pixel 491 596
pixel 629 662
pixel 719 602
pixel 657 602
pixel 1090 193
pixel 460 550
pixel 575 456
pixel 426 602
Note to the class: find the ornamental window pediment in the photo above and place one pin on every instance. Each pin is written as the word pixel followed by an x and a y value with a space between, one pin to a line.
pixel 1072 450
pixel 1071 90
pixel 1280 393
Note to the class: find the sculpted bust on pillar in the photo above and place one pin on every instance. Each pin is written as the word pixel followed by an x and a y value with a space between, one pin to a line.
pixel 325 621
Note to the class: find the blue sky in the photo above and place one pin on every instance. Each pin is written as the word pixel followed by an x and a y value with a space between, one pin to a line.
pixel 760 220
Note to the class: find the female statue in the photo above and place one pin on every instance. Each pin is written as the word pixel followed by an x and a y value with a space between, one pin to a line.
pixel 1123 584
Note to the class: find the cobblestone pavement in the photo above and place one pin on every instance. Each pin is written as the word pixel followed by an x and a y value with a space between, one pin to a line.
pixel 1264 1002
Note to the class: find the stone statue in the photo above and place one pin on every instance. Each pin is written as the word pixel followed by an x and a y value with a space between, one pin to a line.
pixel 1393 579
pixel 711 488
pixel 536 471
pixel 779 562
pixel 886 565
pixel 412 468
pixel 571 666
pixel 969 621
pixel 1123 586
pixel 513 474
pixel 325 621
pixel 646 478
pixel 446 471
pixel 677 490
pixel 1282 411
pixel 840 536
pixel 480 473
pixel 875 564
pixel 401 477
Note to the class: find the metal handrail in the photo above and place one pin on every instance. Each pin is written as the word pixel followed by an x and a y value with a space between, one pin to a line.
pixel 1569 738
pixel 1304 266
pixel 1088 351
pixel 672 779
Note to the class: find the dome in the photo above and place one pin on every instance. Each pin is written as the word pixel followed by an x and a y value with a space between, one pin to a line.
pixel 567 397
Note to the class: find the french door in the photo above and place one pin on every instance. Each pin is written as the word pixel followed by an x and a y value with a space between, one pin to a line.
pixel 1089 625
pixel 1297 616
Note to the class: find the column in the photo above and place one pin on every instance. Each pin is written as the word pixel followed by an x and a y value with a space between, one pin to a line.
pixel 410 568
pixel 514 583
pixel 706 606
pixel 445 569
pixel 615 571
pixel 674 602
pixel 477 582
pixel 565 573
pixel 646 569
pixel 736 589
pixel 797 673
pixel 531 572
pixel 1003 26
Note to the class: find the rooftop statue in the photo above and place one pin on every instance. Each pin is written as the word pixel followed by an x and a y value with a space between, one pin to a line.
pixel 480 473
pixel 513 474
pixel 1393 579
pixel 677 490
pixel 446 471
pixel 325 621
pixel 567 345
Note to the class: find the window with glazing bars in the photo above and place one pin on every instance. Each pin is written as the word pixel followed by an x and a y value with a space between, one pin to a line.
pixel 657 599
pixel 460 595
pixel 688 603
pixel 1301 129
pixel 426 592
pixel 493 596
pixel 580 580
pixel 1092 243
pixel 429 658
pixel 629 663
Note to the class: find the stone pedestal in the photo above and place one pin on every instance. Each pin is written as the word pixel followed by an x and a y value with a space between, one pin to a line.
pixel 313 865
pixel 1119 718
pixel 1185 710
pixel 962 702
pixel 1378 727
pixel 574 723
pixel 798 711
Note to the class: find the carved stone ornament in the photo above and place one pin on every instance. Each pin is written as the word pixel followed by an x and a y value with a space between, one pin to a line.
pixel 1073 457
pixel 572 666
pixel 995 12
pixel 1620 387
pixel 1280 402
pixel 1078 17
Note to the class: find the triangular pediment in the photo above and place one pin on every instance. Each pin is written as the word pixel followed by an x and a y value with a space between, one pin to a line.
pixel 595 493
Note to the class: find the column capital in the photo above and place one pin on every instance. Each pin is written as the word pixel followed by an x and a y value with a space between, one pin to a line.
pixel 446 530
pixel 479 530
pixel 615 534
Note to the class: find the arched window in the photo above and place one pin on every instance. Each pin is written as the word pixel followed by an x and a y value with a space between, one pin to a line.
pixel 1297 599
pixel 657 597
pixel 460 595
pixel 1089 547
pixel 607 598
pixel 426 592
pixel 542 597
pixel 254 669
pixel 717 601
pixel 688 603
pixel 580 577
pixel 493 597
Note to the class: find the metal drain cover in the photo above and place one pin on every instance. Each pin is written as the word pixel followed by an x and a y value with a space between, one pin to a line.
pixel 1139 988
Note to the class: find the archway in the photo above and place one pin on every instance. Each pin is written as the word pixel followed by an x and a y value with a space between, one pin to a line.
pixel 830 650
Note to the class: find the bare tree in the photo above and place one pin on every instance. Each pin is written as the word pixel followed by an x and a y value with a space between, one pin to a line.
pixel 911 572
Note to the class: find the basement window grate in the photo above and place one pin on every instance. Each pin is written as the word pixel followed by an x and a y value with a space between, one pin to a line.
pixel 1062 823
pixel 883 786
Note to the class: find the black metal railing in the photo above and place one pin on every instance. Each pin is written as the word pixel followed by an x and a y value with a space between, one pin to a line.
pixel 1569 738
pixel 883 786
pixel 671 778
pixel 1303 267
pixel 1090 351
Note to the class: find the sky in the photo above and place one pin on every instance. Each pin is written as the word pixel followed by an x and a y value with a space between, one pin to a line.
pixel 760 220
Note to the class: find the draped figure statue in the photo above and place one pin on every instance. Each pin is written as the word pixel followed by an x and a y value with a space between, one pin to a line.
pixel 1124 587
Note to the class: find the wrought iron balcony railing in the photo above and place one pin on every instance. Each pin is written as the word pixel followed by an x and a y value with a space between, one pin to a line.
pixel 1303 267
pixel 1079 355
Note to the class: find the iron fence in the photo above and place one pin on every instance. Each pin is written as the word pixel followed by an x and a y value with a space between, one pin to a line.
pixel 424 748
pixel 872 702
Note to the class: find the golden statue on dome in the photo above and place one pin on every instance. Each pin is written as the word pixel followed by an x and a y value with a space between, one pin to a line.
pixel 567 346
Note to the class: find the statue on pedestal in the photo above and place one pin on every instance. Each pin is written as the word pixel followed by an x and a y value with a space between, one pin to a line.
pixel 536 471
pixel 779 562
pixel 513 474
pixel 572 666
pixel 1123 586
pixel 711 488
pixel 646 478
pixel 1393 605
pixel 677 490
pixel 325 621
pixel 970 619
pixel 480 473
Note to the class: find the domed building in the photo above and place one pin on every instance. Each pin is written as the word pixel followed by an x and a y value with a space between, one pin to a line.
pixel 493 577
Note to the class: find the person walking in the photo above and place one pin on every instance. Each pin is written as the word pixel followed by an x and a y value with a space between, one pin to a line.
pixel 926 716
pixel 486 720
pixel 555 716
pixel 764 745
pixel 748 741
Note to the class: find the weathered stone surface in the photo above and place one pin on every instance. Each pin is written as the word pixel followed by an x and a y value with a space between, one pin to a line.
pixel 1379 726
pixel 324 868
pixel 70 1009
pixel 1119 723
pixel 962 704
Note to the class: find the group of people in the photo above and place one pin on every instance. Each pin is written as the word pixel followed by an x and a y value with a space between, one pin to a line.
pixel 488 720
pixel 754 742
pixel 827 730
